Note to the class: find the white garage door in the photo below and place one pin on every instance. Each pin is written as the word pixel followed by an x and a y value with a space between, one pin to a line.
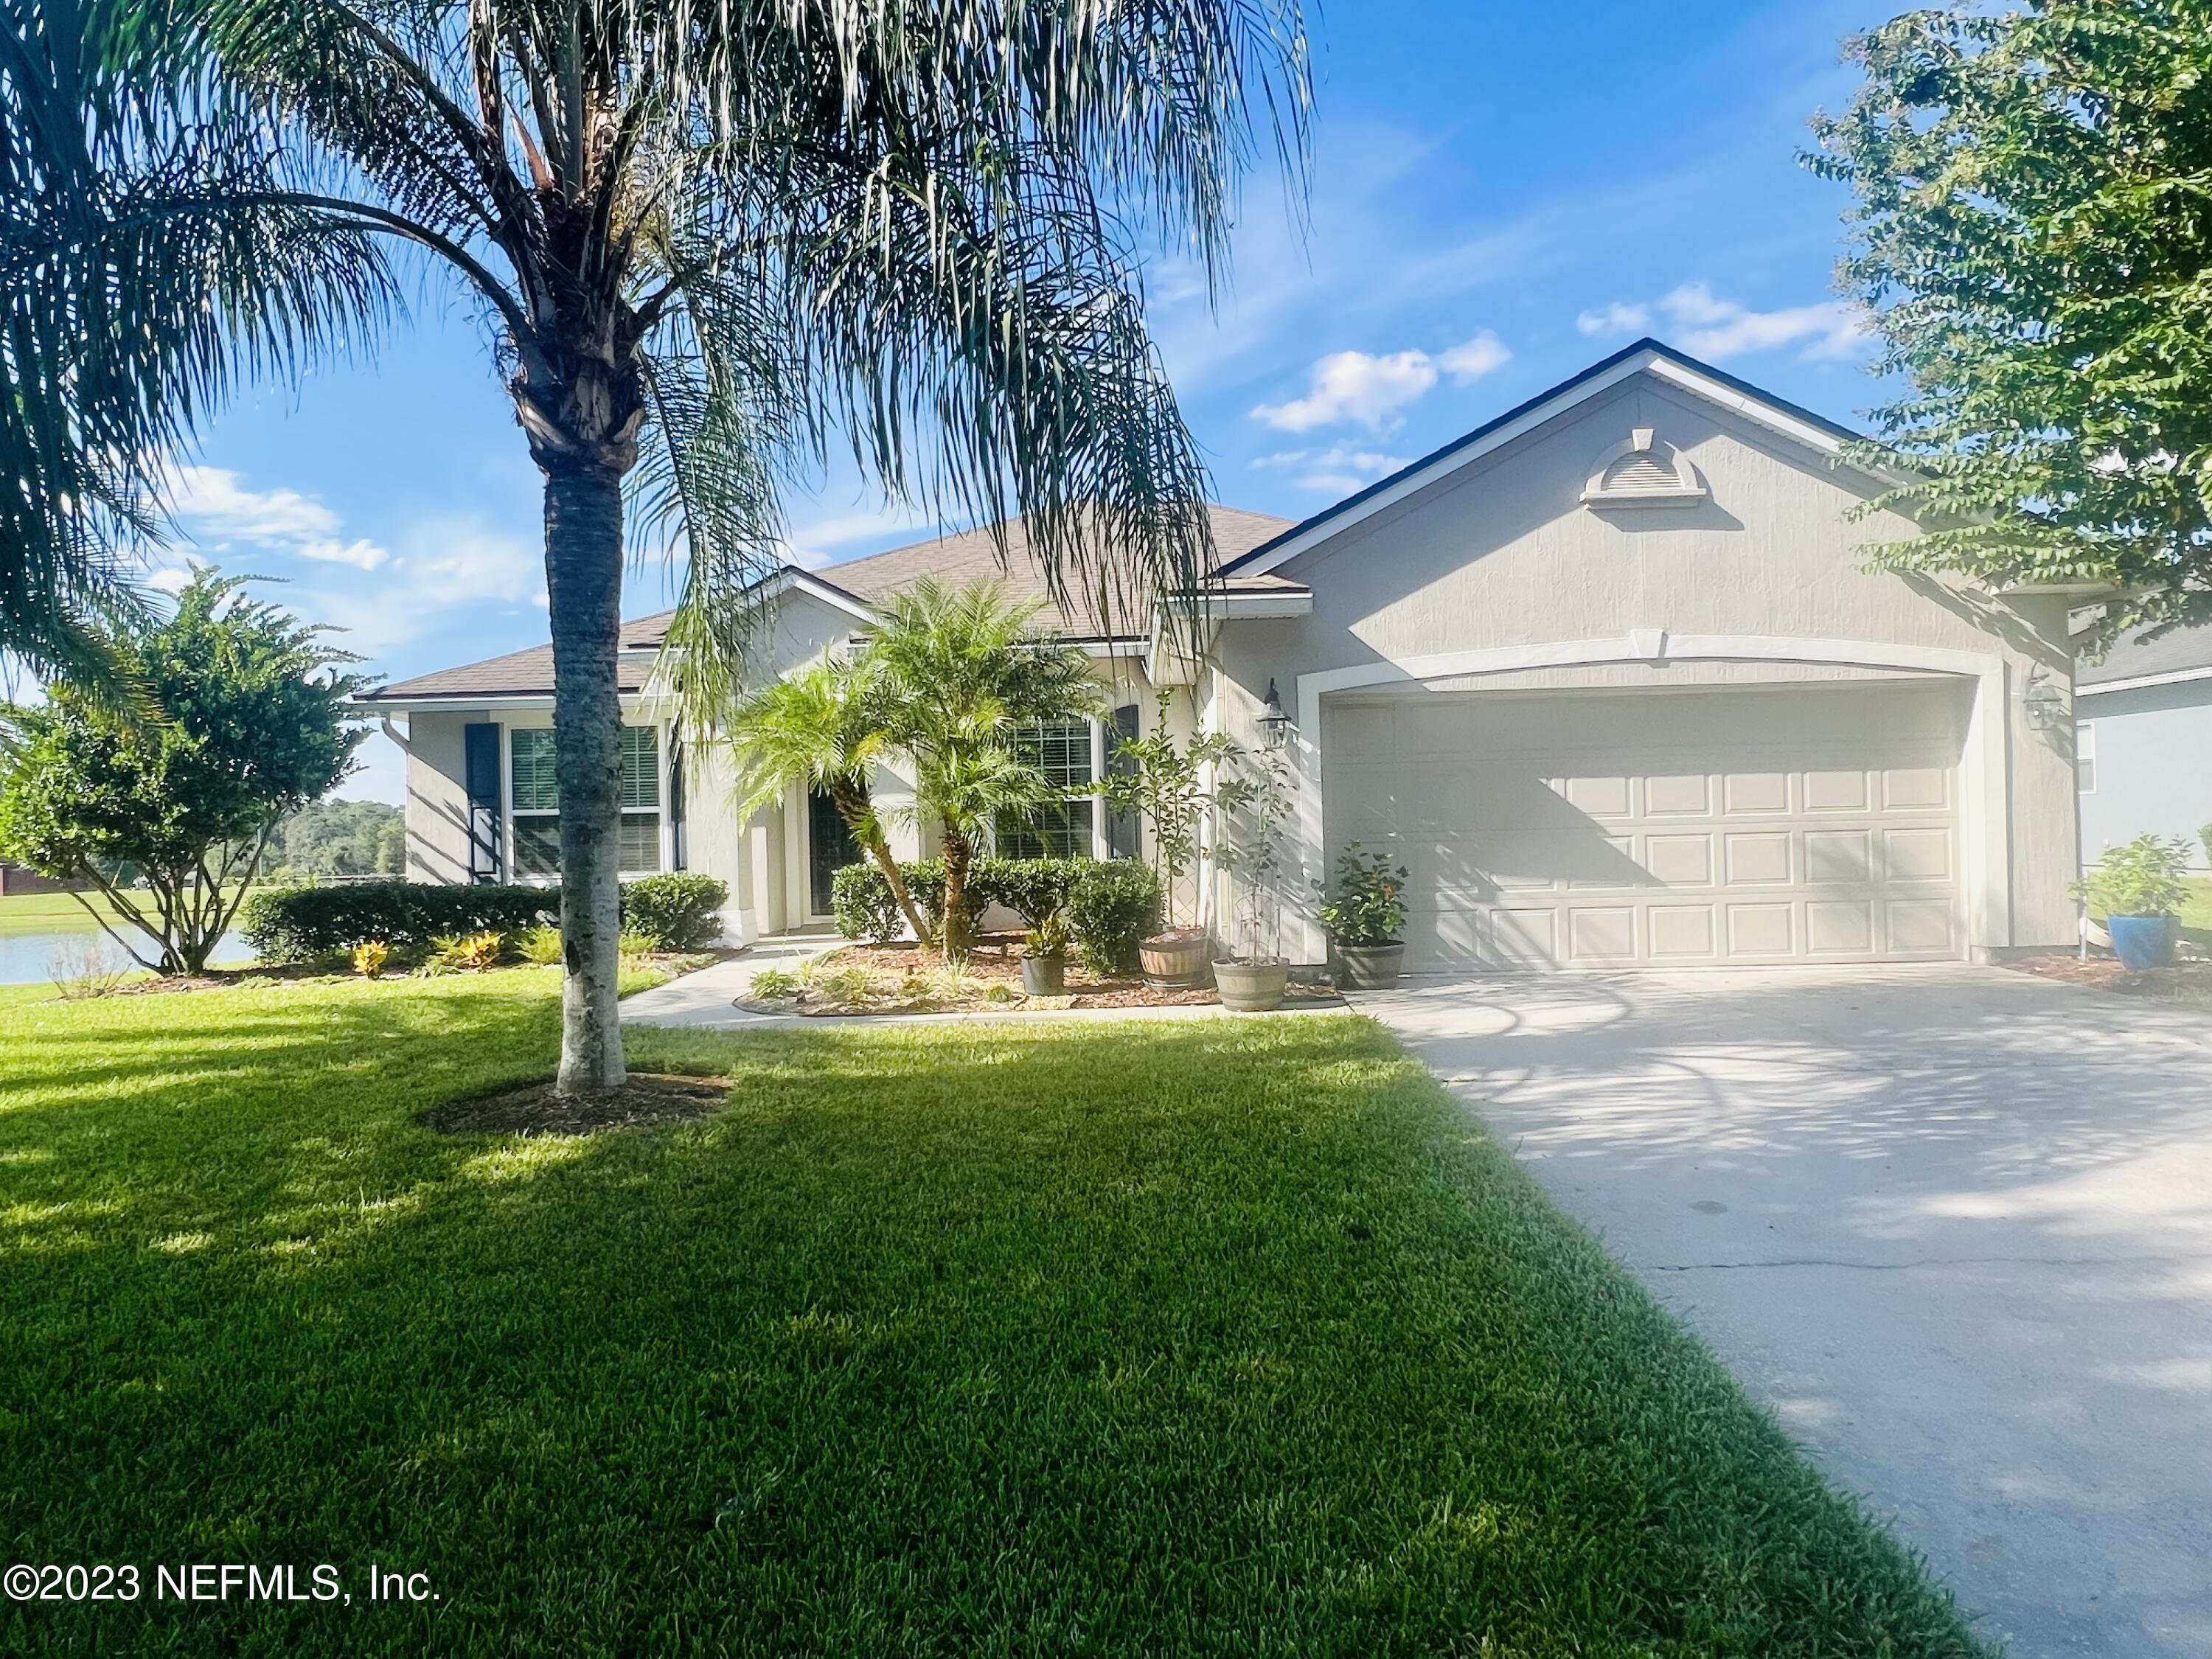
pixel 1666 829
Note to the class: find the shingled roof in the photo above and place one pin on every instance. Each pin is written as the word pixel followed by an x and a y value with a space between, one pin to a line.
pixel 968 556
pixel 2180 651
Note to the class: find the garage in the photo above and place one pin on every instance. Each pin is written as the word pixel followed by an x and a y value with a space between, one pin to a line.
pixel 1662 828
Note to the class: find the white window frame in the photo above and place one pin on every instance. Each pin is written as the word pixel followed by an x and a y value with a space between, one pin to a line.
pixel 664 859
pixel 2085 754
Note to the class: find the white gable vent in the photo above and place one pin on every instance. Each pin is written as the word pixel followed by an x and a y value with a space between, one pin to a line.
pixel 1643 471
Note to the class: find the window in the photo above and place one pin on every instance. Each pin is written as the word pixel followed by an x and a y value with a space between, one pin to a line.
pixel 1061 750
pixel 534 782
pixel 2085 757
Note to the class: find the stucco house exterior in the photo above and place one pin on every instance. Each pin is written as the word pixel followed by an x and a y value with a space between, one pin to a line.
pixel 1609 674
pixel 2143 734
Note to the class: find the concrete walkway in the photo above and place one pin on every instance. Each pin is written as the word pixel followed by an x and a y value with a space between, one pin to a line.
pixel 1953 1226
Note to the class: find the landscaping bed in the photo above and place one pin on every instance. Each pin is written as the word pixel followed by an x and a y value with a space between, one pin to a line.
pixel 905 978
pixel 1199 1337
pixel 2187 984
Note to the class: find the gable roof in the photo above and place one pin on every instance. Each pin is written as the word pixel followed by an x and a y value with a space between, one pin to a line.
pixel 1646 355
pixel 854 585
pixel 2180 654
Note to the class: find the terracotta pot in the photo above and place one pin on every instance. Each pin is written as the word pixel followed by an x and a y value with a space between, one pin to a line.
pixel 1044 976
pixel 1370 967
pixel 1176 958
pixel 1251 988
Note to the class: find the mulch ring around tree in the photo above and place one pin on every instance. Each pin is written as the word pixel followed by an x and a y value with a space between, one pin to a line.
pixel 648 1098
pixel 905 978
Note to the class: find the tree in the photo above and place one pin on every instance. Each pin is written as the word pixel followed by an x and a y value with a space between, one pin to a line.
pixel 146 260
pixel 328 838
pixel 706 237
pixel 826 728
pixel 964 671
pixel 255 726
pixel 2033 234
pixel 1176 789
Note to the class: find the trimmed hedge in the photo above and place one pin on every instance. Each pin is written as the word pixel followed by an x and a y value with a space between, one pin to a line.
pixel 678 911
pixel 1110 905
pixel 300 924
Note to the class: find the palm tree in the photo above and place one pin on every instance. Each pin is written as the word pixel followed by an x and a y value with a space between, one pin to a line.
pixel 145 261
pixel 824 727
pixel 965 669
pixel 705 238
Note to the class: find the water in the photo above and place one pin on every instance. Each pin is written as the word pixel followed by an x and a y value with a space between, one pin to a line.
pixel 29 958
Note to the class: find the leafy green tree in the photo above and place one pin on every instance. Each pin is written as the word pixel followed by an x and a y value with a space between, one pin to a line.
pixel 826 728
pixel 1176 787
pixel 2033 236
pixel 254 727
pixel 328 838
pixel 706 237
pixel 965 669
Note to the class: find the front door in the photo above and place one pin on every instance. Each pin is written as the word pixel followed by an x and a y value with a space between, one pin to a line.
pixel 830 848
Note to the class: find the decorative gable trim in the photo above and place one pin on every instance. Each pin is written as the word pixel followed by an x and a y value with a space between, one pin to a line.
pixel 1643 471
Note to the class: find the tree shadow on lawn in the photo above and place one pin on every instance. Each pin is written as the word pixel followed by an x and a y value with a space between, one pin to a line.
pixel 1152 1340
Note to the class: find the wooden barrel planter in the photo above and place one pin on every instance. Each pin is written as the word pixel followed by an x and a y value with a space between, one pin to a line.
pixel 1175 959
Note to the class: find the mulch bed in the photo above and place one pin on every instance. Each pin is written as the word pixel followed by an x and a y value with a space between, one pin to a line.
pixel 2185 982
pixel 648 1097
pixel 996 961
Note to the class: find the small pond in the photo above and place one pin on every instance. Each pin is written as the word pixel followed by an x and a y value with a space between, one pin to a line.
pixel 31 958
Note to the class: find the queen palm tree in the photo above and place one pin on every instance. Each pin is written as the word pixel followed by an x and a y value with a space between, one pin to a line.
pixel 965 669
pixel 144 262
pixel 707 237
pixel 826 728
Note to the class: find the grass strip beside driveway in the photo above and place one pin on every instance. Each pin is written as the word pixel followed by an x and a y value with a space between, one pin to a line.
pixel 1229 1337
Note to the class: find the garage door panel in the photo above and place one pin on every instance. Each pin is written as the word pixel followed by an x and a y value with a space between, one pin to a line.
pixel 1605 829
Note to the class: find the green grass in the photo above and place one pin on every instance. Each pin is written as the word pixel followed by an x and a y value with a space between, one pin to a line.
pixel 48 913
pixel 1232 1338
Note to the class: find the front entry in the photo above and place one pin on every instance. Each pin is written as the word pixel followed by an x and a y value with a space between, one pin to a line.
pixel 830 848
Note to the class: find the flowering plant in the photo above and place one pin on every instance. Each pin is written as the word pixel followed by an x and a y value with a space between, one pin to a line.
pixel 1369 906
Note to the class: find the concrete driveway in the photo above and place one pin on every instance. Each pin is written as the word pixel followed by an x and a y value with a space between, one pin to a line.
pixel 1953 1226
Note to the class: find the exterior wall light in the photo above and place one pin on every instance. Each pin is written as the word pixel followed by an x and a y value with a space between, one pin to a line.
pixel 2045 702
pixel 1274 724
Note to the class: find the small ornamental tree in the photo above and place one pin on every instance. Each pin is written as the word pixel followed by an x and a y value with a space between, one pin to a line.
pixel 1167 784
pixel 251 726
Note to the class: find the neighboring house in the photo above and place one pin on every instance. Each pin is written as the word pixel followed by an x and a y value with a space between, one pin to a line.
pixel 2143 740
pixel 1609 674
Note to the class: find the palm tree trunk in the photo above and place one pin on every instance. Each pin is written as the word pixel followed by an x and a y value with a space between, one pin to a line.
pixel 583 581
pixel 859 813
pixel 957 853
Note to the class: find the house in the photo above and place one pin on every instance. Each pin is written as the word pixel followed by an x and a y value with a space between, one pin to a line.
pixel 2143 740
pixel 1609 674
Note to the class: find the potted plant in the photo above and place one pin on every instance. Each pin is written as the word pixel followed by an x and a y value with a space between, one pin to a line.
pixel 2141 888
pixel 1044 957
pixel 1366 919
pixel 1252 850
pixel 1166 783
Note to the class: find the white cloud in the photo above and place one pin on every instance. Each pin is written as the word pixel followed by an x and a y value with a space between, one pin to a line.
pixel 1339 470
pixel 1615 319
pixel 1353 386
pixel 1469 363
pixel 463 559
pixel 219 511
pixel 1706 326
pixel 1361 389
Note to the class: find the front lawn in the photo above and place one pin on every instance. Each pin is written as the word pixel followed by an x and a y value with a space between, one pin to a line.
pixel 1229 1337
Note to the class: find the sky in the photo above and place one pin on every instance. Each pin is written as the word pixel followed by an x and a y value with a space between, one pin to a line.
pixel 1500 195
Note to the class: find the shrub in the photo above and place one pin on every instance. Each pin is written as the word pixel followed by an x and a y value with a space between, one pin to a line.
pixel 86 967
pixel 297 924
pixel 1050 938
pixel 369 957
pixel 773 984
pixel 540 944
pixel 2148 877
pixel 1032 888
pixel 860 899
pixel 680 912
pixel 1112 906
pixel 1369 906
pixel 456 953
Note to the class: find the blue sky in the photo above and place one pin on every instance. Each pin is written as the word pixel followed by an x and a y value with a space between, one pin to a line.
pixel 1502 193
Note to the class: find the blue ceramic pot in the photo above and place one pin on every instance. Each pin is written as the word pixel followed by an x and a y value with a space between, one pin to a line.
pixel 2142 942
